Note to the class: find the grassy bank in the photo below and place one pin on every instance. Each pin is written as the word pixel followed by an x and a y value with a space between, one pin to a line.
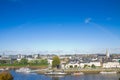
pixel 91 71
pixel 84 71
pixel 20 65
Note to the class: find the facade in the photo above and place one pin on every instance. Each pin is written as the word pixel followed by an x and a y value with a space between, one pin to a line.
pixel 35 56
pixel 50 62
pixel 90 64
pixel 70 65
pixel 81 65
pixel 111 65
pixel 95 63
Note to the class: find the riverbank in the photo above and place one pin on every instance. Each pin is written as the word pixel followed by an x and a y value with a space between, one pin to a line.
pixel 92 71
pixel 44 69
pixel 85 71
pixel 32 67
pixel 66 77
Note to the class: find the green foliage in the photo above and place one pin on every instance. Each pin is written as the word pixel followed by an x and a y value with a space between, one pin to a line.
pixel 16 62
pixel 5 76
pixel 23 61
pixel 2 61
pixel 93 66
pixel 39 62
pixel 55 62
pixel 32 62
pixel 75 66
pixel 44 62
pixel 71 66
pixel 85 66
pixel 119 61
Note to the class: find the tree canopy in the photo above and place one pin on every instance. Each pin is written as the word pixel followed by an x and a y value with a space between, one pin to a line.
pixel 93 66
pixel 56 62
pixel 23 61
pixel 38 62
pixel 119 61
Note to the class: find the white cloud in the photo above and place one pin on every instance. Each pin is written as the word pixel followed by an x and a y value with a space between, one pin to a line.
pixel 87 20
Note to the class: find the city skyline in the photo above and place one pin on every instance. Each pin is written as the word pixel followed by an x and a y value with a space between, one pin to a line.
pixel 61 52
pixel 59 25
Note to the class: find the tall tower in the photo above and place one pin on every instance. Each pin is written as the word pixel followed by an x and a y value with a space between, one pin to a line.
pixel 3 55
pixel 107 54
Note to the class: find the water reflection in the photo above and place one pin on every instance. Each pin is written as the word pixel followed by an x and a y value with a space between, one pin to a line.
pixel 34 76
pixel 55 78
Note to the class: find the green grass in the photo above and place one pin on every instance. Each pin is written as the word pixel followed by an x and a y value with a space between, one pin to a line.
pixel 20 65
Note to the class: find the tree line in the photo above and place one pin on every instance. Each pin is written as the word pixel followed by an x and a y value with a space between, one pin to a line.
pixel 25 61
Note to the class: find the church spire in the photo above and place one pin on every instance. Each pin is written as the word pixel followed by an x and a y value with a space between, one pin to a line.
pixel 107 53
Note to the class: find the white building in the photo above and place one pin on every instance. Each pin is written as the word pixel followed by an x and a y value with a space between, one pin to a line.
pixel 50 62
pixel 115 60
pixel 70 65
pixel 81 65
pixel 111 65
pixel 19 56
pixel 90 64
pixel 95 63
pixel 35 56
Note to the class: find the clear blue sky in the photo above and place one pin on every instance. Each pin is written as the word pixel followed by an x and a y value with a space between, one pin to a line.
pixel 59 24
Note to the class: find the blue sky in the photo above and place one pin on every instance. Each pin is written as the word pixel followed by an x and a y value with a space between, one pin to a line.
pixel 59 24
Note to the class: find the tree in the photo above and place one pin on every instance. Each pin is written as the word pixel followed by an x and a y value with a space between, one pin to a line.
pixel 76 66
pixel 39 62
pixel 32 62
pixel 56 62
pixel 6 76
pixel 119 61
pixel 44 62
pixel 85 66
pixel 2 62
pixel 23 61
pixel 16 62
pixel 71 66
pixel 93 66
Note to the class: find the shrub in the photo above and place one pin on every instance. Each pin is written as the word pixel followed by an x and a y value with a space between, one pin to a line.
pixel 93 66
pixel 85 66
pixel 6 76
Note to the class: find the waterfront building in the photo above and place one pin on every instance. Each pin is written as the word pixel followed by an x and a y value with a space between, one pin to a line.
pixel 116 59
pixel 72 65
pixel 35 56
pixel 50 62
pixel 81 65
pixel 111 65
pixel 95 63
pixel 90 64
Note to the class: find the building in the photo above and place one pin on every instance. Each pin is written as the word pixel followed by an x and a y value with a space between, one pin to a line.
pixel 81 65
pixel 50 62
pixel 72 65
pixel 35 56
pixel 107 54
pixel 111 65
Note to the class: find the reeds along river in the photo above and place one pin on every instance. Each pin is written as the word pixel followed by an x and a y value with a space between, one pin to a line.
pixel 35 76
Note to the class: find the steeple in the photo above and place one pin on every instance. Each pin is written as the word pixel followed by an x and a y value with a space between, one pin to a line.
pixel 107 54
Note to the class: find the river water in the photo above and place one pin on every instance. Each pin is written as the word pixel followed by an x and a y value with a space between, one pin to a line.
pixel 35 76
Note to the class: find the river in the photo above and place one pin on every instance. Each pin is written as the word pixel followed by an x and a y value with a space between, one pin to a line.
pixel 35 76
